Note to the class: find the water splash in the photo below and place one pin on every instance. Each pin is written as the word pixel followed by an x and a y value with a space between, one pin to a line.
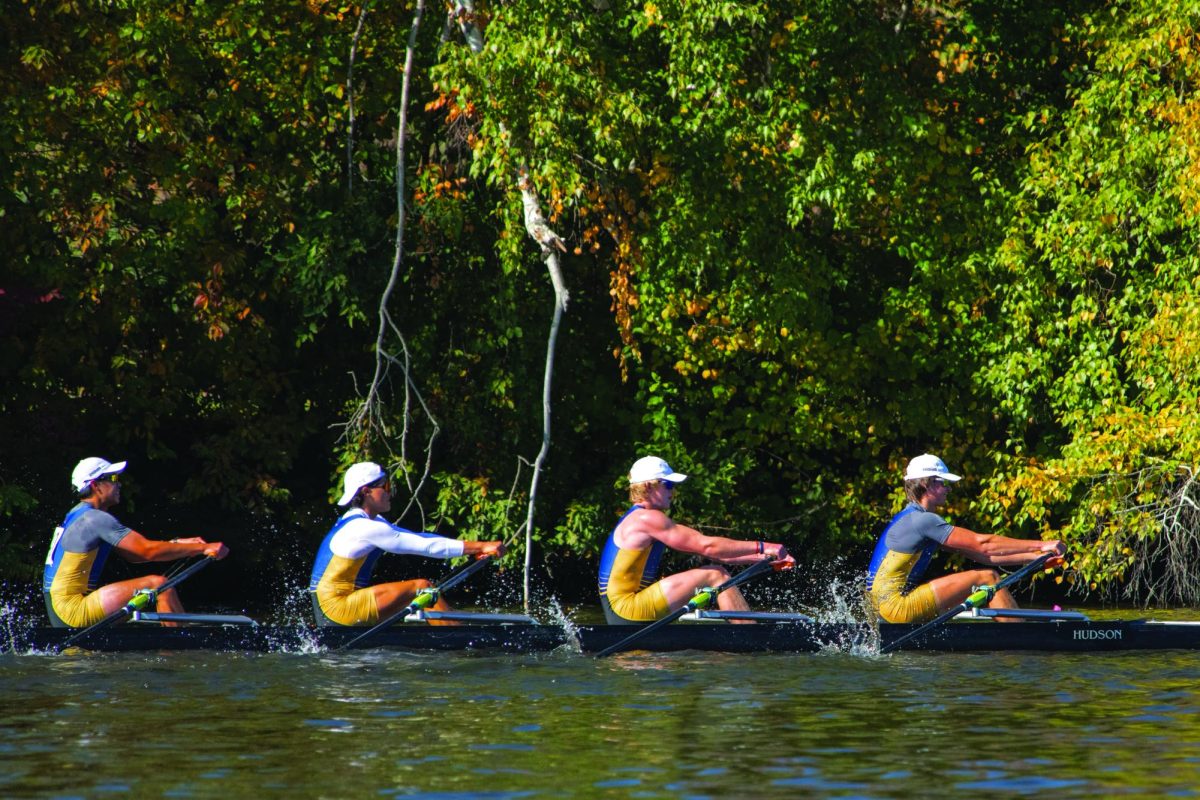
pixel 563 619
pixel 18 619
pixel 292 630
pixel 834 594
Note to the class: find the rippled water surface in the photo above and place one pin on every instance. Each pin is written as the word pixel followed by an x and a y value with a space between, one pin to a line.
pixel 691 725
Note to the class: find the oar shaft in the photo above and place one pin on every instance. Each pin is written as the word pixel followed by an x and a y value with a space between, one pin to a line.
pixel 699 601
pixel 976 599
pixel 138 601
pixel 422 600
pixel 458 577
pixel 1028 569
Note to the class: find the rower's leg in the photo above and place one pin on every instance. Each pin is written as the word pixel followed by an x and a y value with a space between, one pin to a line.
pixel 391 597
pixel 169 603
pixel 115 595
pixel 950 590
pixel 680 587
pixel 1004 599
pixel 733 600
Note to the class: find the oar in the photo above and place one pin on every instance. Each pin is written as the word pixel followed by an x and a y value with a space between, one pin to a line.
pixel 424 599
pixel 139 601
pixel 700 600
pixel 980 597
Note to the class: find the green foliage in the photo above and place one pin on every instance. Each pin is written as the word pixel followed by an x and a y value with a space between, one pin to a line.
pixel 1093 335
pixel 470 509
pixel 807 241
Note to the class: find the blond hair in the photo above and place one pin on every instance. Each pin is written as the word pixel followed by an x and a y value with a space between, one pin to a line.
pixel 640 492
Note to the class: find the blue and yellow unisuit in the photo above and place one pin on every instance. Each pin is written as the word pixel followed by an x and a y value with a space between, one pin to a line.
pixel 73 565
pixel 341 573
pixel 900 559
pixel 629 587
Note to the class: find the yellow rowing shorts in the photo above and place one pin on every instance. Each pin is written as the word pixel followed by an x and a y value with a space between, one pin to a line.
pixel 645 606
pixel 356 608
pixel 918 605
pixel 77 610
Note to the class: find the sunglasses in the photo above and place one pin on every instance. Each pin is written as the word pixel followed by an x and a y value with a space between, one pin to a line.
pixel 382 483
pixel 110 478
pixel 668 485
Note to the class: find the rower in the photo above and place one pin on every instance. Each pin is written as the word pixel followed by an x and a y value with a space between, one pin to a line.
pixel 82 544
pixel 912 537
pixel 340 582
pixel 630 591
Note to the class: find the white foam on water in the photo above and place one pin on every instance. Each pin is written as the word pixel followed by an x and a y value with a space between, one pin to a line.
pixel 293 619
pixel 562 619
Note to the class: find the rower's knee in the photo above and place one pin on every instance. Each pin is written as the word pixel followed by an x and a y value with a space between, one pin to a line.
pixel 988 577
pixel 422 583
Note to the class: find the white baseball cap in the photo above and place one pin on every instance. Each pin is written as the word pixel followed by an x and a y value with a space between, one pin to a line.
pixel 653 468
pixel 92 468
pixel 358 476
pixel 929 466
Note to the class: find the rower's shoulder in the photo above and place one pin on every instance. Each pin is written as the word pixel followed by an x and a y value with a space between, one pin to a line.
pixel 647 516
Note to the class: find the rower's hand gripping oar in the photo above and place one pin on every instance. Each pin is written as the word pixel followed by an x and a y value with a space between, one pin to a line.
pixel 980 597
pixel 140 600
pixel 702 599
pixel 424 599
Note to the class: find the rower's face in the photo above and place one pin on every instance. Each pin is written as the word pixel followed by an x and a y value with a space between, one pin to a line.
pixel 936 491
pixel 107 490
pixel 664 492
pixel 377 498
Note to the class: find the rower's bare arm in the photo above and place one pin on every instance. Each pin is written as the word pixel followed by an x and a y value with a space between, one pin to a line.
pixel 717 548
pixel 996 550
pixel 135 547
pixel 483 549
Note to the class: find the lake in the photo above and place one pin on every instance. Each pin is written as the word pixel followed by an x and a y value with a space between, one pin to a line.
pixel 684 725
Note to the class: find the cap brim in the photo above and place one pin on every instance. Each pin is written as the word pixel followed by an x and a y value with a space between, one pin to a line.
pixel 114 469
pixel 674 477
pixel 946 476
pixel 348 496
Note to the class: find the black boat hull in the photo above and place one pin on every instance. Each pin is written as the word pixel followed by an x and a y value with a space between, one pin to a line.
pixel 790 637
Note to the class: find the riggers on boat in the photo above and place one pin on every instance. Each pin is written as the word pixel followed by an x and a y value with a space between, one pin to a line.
pixel 1039 631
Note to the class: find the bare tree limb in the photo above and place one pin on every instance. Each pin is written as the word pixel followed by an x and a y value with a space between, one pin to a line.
pixel 368 419
pixel 551 245
pixel 464 13
pixel 362 18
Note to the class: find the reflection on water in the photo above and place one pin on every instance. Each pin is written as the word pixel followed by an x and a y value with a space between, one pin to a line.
pixel 562 724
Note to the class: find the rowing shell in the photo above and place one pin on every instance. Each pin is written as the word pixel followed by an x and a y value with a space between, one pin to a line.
pixel 781 635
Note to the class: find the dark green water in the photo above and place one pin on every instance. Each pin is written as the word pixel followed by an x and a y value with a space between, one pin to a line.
pixel 383 724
